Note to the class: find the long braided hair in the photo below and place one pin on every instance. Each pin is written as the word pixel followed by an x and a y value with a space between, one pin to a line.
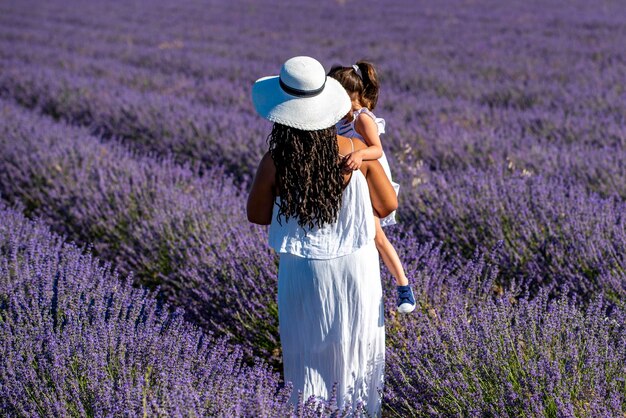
pixel 308 174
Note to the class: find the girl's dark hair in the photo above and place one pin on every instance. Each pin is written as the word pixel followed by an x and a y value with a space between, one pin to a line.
pixel 366 88
pixel 308 174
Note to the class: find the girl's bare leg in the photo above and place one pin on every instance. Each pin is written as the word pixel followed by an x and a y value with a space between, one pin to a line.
pixel 389 255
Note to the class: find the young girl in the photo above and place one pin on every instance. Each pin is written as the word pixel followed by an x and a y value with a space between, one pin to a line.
pixel 361 83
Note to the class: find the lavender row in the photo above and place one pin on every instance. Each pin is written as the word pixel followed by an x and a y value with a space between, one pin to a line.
pixel 587 147
pixel 149 122
pixel 589 42
pixel 466 65
pixel 167 225
pixel 80 341
pixel 440 286
pixel 548 232
pixel 467 212
pixel 541 365
pixel 112 349
pixel 209 90
pixel 526 108
pixel 495 353
pixel 486 81
pixel 475 346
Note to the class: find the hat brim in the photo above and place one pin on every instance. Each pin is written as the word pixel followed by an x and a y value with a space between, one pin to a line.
pixel 306 113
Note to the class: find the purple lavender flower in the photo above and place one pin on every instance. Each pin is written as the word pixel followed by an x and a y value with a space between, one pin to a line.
pixel 132 134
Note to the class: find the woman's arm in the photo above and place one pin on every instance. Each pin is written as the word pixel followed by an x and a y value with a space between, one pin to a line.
pixel 262 195
pixel 382 193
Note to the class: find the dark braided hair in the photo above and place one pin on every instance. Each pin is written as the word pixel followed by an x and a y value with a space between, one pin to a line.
pixel 308 174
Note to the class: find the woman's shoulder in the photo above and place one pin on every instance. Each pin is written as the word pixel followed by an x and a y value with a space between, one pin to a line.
pixel 267 161
pixel 267 169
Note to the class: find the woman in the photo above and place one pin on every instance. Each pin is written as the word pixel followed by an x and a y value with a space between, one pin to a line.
pixel 321 221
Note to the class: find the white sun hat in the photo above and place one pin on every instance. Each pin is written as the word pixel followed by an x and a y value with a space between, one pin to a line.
pixel 301 96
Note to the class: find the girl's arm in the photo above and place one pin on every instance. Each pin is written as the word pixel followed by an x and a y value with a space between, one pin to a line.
pixel 367 128
pixel 262 194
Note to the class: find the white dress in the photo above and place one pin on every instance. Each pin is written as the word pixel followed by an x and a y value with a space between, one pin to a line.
pixel 346 129
pixel 330 303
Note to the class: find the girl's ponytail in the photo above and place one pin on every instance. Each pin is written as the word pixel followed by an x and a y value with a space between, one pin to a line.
pixel 363 83
pixel 371 86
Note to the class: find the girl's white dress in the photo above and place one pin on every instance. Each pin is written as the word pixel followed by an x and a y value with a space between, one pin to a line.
pixel 330 303
pixel 346 128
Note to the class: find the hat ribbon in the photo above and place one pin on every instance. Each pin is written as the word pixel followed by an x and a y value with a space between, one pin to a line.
pixel 300 93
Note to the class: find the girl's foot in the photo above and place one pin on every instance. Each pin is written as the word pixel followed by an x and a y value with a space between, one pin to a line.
pixel 406 299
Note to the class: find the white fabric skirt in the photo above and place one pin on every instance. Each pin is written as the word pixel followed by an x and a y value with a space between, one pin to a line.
pixel 331 320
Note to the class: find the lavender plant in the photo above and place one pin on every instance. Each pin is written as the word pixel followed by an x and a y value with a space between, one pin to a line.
pixel 78 341
pixel 476 347
pixel 505 129
pixel 509 357
pixel 163 223
pixel 515 105
pixel 550 234
pixel 149 122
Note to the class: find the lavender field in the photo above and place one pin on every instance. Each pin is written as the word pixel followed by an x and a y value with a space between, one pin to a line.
pixel 131 283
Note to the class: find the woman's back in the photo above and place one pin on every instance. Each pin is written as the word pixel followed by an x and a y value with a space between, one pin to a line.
pixel 353 228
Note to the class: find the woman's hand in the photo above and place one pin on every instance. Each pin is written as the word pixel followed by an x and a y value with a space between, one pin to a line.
pixel 353 160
